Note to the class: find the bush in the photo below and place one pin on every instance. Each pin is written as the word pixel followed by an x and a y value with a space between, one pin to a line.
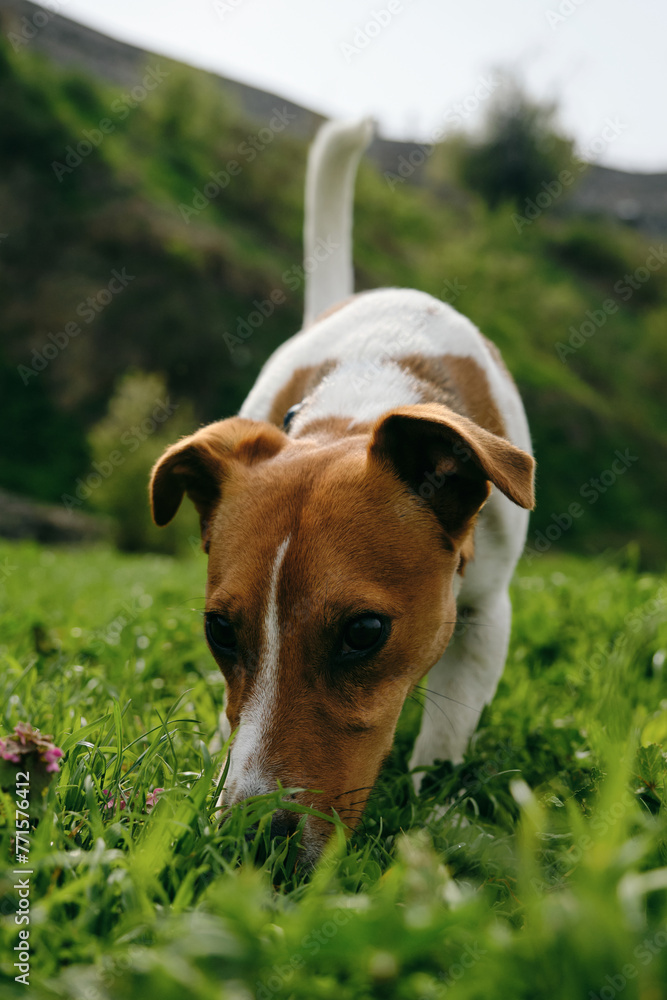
pixel 142 420
pixel 518 152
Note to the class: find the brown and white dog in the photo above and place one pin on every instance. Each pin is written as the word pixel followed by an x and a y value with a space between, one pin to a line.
pixel 377 479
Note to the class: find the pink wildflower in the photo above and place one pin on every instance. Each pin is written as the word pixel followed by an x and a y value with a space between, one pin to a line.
pixel 152 798
pixel 25 741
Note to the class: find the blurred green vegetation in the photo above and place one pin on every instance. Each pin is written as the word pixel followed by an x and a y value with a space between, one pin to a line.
pixel 518 151
pixel 187 283
pixel 141 423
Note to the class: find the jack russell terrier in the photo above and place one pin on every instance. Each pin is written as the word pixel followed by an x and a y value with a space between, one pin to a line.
pixel 377 479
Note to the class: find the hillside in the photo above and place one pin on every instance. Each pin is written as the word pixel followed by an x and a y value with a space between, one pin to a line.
pixel 112 258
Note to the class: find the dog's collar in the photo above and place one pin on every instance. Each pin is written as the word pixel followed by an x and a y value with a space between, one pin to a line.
pixel 293 410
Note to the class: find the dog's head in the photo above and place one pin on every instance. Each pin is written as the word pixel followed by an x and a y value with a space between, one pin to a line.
pixel 329 592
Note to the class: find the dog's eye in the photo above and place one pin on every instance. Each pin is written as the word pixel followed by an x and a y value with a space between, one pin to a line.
pixel 220 634
pixel 363 634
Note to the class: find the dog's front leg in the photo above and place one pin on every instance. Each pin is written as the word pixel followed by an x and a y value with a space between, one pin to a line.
pixel 462 682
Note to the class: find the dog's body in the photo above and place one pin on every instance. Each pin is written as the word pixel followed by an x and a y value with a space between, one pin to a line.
pixel 340 546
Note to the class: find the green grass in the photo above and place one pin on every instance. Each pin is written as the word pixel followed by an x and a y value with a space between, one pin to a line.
pixel 536 869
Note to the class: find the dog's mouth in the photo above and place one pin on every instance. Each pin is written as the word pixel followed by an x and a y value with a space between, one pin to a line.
pixel 308 832
pixel 309 819
pixel 309 844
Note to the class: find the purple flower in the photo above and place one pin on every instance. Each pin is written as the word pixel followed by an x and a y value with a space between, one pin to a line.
pixel 32 752
pixel 111 801
pixel 25 741
pixel 152 798
pixel 125 798
pixel 7 753
pixel 51 755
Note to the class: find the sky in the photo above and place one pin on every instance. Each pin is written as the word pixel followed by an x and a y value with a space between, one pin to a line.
pixel 420 65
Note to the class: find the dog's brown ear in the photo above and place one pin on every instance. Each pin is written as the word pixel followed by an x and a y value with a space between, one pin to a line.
pixel 450 462
pixel 197 465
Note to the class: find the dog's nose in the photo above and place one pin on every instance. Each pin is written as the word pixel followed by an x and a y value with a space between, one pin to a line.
pixel 283 823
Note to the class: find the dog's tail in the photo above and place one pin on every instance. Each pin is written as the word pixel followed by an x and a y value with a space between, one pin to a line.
pixel 327 231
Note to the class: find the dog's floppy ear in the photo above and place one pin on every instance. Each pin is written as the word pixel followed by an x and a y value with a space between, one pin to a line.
pixel 450 461
pixel 197 465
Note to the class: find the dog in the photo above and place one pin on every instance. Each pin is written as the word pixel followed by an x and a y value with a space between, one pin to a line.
pixel 373 490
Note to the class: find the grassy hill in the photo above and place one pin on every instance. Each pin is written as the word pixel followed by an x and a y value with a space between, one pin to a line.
pixel 112 258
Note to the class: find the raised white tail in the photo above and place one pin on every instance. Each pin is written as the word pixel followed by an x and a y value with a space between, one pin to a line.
pixel 327 232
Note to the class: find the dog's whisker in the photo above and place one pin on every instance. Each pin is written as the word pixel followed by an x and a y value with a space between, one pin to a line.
pixel 188 600
pixel 448 698
pixel 432 702
pixel 351 791
pixel 429 700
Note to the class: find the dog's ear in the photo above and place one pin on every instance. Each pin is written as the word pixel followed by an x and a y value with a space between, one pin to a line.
pixel 450 462
pixel 198 464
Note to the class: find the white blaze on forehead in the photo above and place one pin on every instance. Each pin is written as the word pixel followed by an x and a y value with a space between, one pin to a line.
pixel 246 773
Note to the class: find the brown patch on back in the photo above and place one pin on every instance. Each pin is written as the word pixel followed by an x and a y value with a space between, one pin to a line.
pixel 302 381
pixel 333 309
pixel 497 357
pixel 459 383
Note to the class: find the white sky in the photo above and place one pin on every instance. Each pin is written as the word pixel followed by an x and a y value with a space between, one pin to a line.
pixel 604 61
